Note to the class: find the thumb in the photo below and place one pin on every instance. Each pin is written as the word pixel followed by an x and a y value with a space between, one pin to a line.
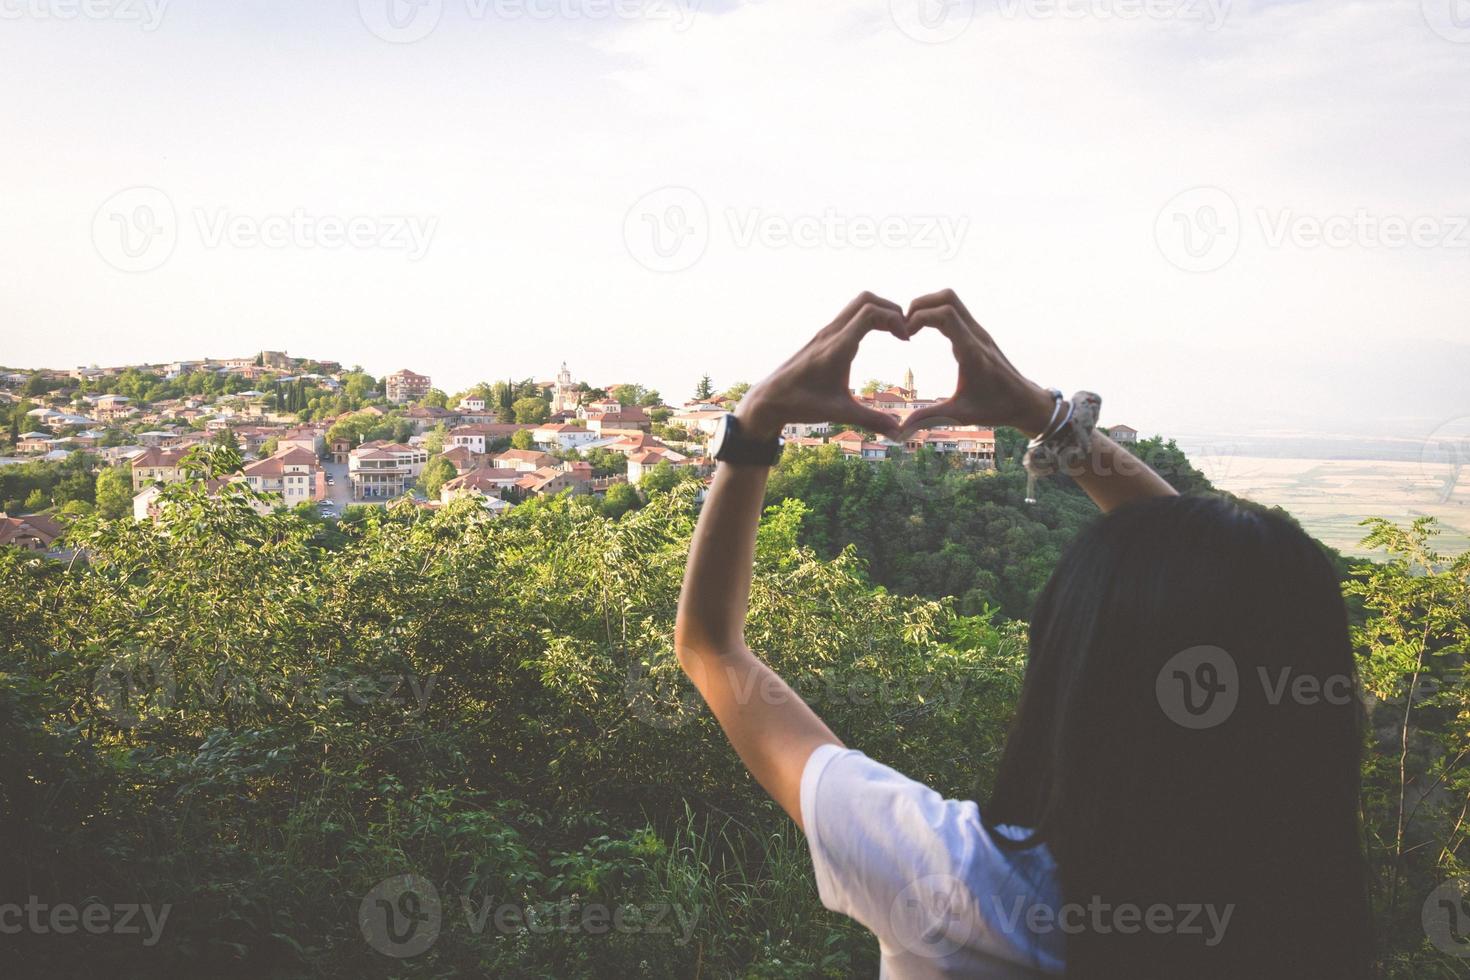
pixel 871 418
pixel 923 418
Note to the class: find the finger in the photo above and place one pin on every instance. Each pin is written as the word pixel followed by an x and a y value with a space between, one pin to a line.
pixel 945 297
pixel 946 412
pixel 946 319
pixel 869 318
pixel 870 418
pixel 851 310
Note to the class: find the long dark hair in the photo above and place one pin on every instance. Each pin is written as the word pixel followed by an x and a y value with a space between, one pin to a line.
pixel 1156 780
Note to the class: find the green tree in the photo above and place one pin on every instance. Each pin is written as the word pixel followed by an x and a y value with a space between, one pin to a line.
pixel 37 500
pixel 521 439
pixel 872 386
pixel 115 492
pixel 1412 651
pixel 531 410
pixel 435 438
pixel 733 394
pixel 435 399
pixel 438 472
pixel 619 499
pixel 705 389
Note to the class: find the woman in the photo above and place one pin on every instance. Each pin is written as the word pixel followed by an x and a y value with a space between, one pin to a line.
pixel 1178 794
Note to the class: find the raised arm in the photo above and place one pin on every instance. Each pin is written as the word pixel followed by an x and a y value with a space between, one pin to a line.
pixel 992 392
pixel 771 728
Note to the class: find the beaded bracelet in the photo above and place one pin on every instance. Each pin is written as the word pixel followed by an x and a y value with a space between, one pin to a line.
pixel 1062 445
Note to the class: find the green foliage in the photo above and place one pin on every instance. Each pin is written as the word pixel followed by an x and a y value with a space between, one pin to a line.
pixel 222 712
pixel 619 499
pixel 1412 650
pixel 438 472
pixel 114 492
pixel 531 411
pixel 705 389
pixel 521 439
pixel 257 718
pixel 37 485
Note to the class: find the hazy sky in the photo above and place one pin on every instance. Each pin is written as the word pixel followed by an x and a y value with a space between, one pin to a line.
pixel 1221 216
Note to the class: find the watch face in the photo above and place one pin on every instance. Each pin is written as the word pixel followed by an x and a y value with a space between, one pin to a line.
pixel 717 441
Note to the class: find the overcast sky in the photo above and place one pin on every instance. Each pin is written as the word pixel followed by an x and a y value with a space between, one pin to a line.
pixel 1235 217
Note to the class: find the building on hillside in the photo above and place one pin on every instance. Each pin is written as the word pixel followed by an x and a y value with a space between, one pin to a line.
pixel 461 458
pixel 426 417
pixel 156 465
pixel 471 403
pixel 552 480
pixel 485 483
pixel 562 435
pixel 109 408
pixel 644 460
pixel 703 421
pixel 340 448
pixel 627 418
pixel 33 442
pixel 564 394
pixel 381 470
pixel 524 460
pixel 404 386
pixel 276 359
pixel 855 444
pixel 306 437
pixel 1122 434
pixel 480 436
pixel 294 473
pixel 974 447
pixel 31 533
pixel 805 430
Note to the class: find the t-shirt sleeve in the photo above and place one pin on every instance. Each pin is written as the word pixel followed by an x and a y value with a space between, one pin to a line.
pixel 904 861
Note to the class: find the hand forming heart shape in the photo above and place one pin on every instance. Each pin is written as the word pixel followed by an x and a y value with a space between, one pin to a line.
pixel 813 385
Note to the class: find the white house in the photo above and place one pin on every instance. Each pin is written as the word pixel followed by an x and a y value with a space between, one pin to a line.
pixel 292 473
pixel 563 435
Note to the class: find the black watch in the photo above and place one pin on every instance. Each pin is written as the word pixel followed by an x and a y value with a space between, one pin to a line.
pixel 731 444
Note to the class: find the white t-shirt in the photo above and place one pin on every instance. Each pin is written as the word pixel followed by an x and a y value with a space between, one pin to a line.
pixel 925 875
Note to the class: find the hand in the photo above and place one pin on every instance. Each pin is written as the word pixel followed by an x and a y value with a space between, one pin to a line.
pixel 813 385
pixel 990 390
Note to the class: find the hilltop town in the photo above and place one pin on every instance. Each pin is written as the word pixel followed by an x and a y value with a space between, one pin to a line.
pixel 313 433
